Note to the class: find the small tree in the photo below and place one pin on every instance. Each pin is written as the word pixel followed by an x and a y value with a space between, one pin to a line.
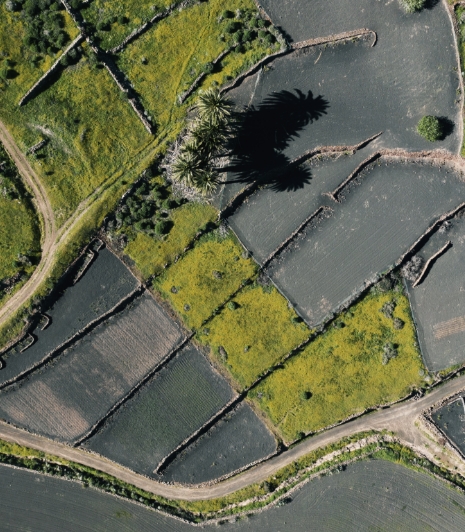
pixel 411 6
pixel 430 128
pixel 214 106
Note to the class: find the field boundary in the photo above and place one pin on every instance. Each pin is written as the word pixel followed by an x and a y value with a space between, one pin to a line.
pixel 60 349
pixel 426 267
pixel 132 392
pixel 335 38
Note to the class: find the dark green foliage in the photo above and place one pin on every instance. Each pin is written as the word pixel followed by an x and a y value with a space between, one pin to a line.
pixel 232 305
pixel 232 26
pixel 411 6
pixel 430 128
pixel 263 34
pixel 123 20
pixel 270 38
pixel 162 227
pixel 209 68
pixel 44 26
pixel 227 14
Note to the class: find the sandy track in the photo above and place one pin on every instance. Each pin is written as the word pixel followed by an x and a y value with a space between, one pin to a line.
pixel 49 233
pixel 401 419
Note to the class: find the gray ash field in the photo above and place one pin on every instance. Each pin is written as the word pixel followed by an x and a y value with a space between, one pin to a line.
pixel 180 398
pixel 268 217
pixel 451 420
pixel 368 496
pixel 105 283
pixel 407 74
pixel 65 398
pixel 237 440
pixel 438 302
pixel 376 223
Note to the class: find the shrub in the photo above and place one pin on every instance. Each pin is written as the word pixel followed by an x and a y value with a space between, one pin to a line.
pixel 270 39
pixel 123 20
pixel 398 324
pixel 248 36
pixel 162 227
pixel 410 6
pixel 232 305
pixel 388 308
pixel 209 68
pixel 232 26
pixel 227 14
pixel 389 351
pixel 262 34
pixel 430 128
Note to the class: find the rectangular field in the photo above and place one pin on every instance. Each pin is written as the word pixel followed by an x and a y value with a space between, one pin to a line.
pixel 238 439
pixel 450 419
pixel 254 336
pixel 180 398
pixel 205 277
pixel 267 218
pixel 342 372
pixel 63 400
pixel 376 223
pixel 438 302
pixel 106 282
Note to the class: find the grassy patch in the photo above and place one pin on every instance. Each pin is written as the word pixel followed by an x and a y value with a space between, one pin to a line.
pixel 161 81
pixel 205 277
pixel 341 372
pixel 255 335
pixel 460 16
pixel 151 254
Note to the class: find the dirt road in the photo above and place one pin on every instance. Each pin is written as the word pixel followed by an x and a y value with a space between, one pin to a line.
pixel 49 233
pixel 400 419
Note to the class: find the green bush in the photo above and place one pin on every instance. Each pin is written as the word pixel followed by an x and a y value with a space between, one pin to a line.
pixel 430 128
pixel 232 26
pixel 411 6
pixel 162 227
pixel 227 14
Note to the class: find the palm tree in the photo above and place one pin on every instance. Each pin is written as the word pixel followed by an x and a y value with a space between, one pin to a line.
pixel 208 137
pixel 186 168
pixel 213 106
pixel 206 181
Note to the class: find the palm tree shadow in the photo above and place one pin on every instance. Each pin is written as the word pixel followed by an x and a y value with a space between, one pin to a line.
pixel 262 135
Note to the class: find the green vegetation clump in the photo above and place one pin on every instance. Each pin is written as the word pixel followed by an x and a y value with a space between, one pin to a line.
pixel 256 336
pixel 365 363
pixel 430 128
pixel 198 292
pixel 410 6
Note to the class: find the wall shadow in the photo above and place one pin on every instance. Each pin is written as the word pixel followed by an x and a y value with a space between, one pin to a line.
pixel 262 135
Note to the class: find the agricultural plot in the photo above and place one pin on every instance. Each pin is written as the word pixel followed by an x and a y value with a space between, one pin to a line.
pixel 377 222
pixel 151 254
pixel 268 217
pixel 451 420
pixel 206 276
pixel 63 400
pixel 411 71
pixel 161 82
pixel 254 333
pixel 437 302
pixel 106 282
pixel 181 398
pixel 237 440
pixel 345 370
pixel 114 21
pixel 369 495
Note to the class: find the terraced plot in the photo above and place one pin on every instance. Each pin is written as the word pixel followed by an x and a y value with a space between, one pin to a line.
pixel 438 302
pixel 377 222
pixel 370 495
pixel 410 72
pixel 63 400
pixel 268 217
pixel 450 419
pixel 176 402
pixel 104 285
pixel 237 440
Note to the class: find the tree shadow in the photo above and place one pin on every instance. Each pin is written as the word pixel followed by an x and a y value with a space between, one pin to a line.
pixel 262 135
pixel 447 127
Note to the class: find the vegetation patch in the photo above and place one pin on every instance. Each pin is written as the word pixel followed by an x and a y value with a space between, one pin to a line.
pixel 19 228
pixel 344 371
pixel 255 335
pixel 430 128
pixel 410 6
pixel 206 276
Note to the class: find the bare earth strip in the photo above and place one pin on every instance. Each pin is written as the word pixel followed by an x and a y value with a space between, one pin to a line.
pixel 446 328
pixel 49 232
pixel 402 419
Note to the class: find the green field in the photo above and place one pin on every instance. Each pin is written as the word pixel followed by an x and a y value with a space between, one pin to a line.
pixel 161 81
pixel 341 372
pixel 256 335
pixel 205 277
pixel 19 226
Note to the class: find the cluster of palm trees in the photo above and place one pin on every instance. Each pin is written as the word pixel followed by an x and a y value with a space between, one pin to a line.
pixel 206 137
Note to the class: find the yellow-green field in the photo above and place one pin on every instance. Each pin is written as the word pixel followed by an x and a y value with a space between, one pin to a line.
pixel 136 12
pixel 205 277
pixel 341 372
pixel 256 335
pixel 151 254
pixel 165 60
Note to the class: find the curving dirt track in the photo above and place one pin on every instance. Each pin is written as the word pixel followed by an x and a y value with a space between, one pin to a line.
pixel 401 419
pixel 49 232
